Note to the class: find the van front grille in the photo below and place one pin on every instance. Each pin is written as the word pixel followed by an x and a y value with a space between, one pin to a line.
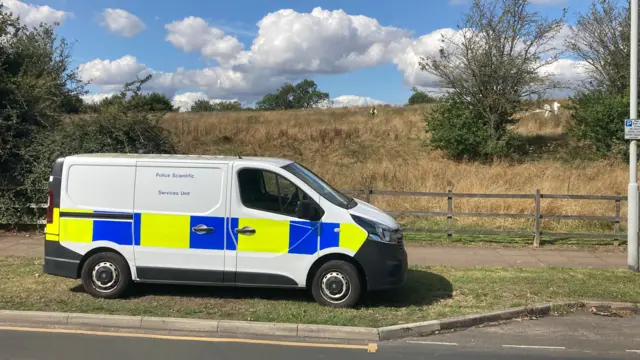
pixel 397 237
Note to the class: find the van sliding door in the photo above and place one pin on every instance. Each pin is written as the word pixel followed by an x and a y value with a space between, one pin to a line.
pixel 179 221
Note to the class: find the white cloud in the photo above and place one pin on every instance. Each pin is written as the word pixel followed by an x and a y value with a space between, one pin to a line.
pixel 32 15
pixel 184 101
pixel 354 100
pixel 94 98
pixel 289 46
pixel 549 2
pixel 567 71
pixel 216 82
pixel 322 41
pixel 121 22
pixel 112 74
pixel 537 2
pixel 426 45
pixel 195 34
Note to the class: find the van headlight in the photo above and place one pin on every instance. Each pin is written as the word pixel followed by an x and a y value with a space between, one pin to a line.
pixel 376 231
pixel 382 233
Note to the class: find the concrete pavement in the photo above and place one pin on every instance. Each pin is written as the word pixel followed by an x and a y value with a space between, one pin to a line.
pixel 577 336
pixel 458 256
pixel 581 331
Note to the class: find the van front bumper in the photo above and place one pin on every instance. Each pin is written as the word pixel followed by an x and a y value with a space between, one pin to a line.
pixel 385 265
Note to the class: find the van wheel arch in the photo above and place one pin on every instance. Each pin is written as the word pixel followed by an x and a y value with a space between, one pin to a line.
pixel 99 250
pixel 336 256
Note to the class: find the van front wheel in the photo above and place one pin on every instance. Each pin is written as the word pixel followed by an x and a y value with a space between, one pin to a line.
pixel 336 284
pixel 106 275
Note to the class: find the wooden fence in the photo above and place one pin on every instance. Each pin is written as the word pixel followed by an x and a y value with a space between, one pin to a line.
pixel 537 216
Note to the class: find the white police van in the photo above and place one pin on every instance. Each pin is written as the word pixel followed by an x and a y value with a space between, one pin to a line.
pixel 114 219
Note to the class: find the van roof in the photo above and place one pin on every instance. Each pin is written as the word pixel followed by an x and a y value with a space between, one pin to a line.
pixel 160 157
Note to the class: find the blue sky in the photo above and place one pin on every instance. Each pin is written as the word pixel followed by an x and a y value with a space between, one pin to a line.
pixel 303 43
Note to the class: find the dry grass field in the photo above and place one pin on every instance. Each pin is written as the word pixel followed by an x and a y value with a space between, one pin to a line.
pixel 350 149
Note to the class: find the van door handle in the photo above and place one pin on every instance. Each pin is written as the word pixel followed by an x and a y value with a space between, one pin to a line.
pixel 246 231
pixel 202 229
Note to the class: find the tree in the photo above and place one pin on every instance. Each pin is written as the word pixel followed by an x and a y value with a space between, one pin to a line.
pixel 601 38
pixel 37 83
pixel 494 62
pixel 136 101
pixel 203 105
pixel 303 95
pixel 151 102
pixel 37 86
pixel 227 106
pixel 596 115
pixel 420 97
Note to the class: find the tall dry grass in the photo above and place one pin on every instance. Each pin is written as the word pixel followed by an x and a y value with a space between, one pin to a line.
pixel 352 150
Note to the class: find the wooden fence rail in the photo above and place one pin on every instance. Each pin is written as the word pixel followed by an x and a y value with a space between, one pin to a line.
pixel 537 233
pixel 537 216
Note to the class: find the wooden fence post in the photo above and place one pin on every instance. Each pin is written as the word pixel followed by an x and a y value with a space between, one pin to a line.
pixel 616 229
pixel 449 211
pixel 536 228
pixel 367 194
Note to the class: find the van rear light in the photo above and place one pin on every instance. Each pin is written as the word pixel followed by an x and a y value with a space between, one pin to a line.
pixel 50 208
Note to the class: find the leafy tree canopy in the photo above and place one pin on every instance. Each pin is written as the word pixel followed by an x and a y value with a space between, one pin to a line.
pixel 303 95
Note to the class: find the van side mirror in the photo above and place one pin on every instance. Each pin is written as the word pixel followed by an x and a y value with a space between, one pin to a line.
pixel 308 211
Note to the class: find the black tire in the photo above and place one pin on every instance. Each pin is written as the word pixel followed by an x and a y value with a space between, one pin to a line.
pixel 106 264
pixel 337 275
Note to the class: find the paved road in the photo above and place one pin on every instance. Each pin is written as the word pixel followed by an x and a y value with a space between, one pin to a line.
pixel 581 332
pixel 459 256
pixel 579 336
pixel 16 345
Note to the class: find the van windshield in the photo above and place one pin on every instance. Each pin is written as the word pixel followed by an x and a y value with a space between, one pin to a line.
pixel 320 186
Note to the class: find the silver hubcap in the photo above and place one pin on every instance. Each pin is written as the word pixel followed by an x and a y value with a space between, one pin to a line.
pixel 335 287
pixel 105 276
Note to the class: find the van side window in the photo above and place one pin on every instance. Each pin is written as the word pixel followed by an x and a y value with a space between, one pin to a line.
pixel 267 191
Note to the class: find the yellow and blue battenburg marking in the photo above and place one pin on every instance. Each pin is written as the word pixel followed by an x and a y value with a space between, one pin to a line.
pixel 176 231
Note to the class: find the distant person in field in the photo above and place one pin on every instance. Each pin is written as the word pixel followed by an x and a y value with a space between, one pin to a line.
pixel 373 111
pixel 547 110
pixel 556 107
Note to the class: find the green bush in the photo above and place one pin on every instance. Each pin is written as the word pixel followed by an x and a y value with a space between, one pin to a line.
pixel 105 133
pixel 598 120
pixel 37 84
pixel 113 132
pixel 203 105
pixel 465 134
pixel 420 97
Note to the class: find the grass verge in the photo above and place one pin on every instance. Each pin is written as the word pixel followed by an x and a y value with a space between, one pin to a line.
pixel 512 241
pixel 430 293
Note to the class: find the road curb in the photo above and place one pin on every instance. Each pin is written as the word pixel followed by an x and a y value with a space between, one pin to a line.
pixel 307 331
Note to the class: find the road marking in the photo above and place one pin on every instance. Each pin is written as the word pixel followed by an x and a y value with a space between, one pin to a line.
pixel 535 347
pixel 433 343
pixel 372 347
pixel 634 351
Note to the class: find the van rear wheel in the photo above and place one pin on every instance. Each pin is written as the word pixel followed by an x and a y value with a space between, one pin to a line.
pixel 337 284
pixel 106 275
